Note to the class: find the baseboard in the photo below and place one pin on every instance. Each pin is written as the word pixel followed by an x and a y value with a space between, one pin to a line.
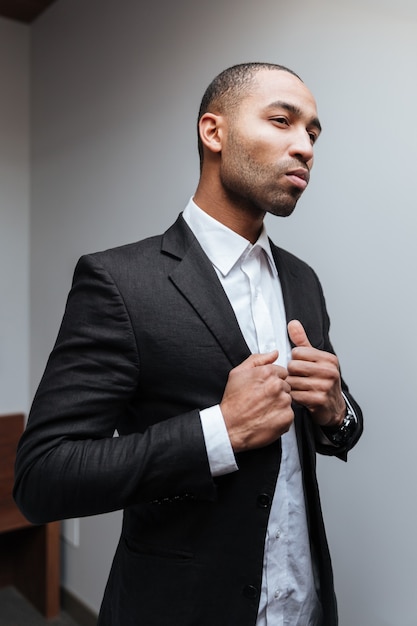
pixel 77 609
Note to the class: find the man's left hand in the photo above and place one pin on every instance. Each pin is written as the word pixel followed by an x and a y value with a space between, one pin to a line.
pixel 314 377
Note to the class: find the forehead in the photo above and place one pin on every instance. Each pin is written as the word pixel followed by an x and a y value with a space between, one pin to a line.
pixel 272 86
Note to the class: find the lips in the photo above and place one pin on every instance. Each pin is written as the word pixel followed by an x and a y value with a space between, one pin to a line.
pixel 299 177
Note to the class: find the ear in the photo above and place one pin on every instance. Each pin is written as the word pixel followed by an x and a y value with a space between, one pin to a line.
pixel 211 131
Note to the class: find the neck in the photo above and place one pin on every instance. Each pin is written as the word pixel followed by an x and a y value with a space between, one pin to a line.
pixel 246 223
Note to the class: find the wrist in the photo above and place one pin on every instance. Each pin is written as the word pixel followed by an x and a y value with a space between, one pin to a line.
pixel 336 421
pixel 339 434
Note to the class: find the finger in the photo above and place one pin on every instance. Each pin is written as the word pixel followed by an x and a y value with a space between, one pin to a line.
pixel 297 334
pixel 255 360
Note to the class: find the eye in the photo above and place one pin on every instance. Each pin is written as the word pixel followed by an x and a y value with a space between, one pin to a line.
pixel 313 138
pixel 280 119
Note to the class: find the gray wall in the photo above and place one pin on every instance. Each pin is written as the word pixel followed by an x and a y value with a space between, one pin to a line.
pixel 115 90
pixel 14 217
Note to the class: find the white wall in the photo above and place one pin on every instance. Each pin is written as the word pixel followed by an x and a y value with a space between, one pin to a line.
pixel 14 217
pixel 115 96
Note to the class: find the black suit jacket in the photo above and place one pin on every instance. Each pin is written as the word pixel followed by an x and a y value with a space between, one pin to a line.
pixel 147 340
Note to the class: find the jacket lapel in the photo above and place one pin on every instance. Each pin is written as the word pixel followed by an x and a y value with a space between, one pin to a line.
pixel 196 279
pixel 300 293
pixel 295 308
pixel 288 277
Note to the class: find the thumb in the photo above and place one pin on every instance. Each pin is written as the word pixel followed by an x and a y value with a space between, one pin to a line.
pixel 297 334
pixel 255 360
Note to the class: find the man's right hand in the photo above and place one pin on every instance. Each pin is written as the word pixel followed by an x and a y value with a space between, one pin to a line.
pixel 256 404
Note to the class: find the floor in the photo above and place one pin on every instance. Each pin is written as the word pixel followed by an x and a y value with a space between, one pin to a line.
pixel 16 611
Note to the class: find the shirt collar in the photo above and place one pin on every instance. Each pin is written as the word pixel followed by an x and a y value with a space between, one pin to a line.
pixel 222 245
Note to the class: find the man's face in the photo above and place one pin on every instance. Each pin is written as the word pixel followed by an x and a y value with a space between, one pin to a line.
pixel 267 153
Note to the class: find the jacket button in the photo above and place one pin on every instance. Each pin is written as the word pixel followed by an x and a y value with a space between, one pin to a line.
pixel 264 500
pixel 251 592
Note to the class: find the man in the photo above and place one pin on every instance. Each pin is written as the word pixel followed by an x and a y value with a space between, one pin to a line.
pixel 181 344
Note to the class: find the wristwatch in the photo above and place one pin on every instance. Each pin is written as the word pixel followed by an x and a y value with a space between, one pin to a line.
pixel 340 435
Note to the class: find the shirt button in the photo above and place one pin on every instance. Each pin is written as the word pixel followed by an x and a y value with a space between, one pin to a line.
pixel 264 500
pixel 277 534
pixel 251 592
pixel 277 594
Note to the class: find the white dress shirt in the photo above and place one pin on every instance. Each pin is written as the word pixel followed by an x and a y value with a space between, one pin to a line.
pixel 250 279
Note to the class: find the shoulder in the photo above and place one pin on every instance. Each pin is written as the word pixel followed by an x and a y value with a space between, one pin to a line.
pixel 175 240
pixel 127 252
pixel 144 260
pixel 121 260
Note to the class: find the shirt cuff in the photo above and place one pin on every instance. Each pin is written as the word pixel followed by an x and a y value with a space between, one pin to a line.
pixel 220 453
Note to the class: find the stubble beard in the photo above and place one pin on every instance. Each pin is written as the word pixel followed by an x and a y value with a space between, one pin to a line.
pixel 256 188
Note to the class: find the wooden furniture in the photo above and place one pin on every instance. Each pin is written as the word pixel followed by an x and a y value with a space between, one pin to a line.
pixel 29 555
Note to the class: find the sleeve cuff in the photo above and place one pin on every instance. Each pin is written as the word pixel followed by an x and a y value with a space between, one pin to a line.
pixel 220 454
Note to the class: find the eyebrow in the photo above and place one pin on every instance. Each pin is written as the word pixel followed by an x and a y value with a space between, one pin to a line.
pixel 292 108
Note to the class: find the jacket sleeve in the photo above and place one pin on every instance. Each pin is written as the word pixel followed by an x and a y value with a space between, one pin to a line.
pixel 69 463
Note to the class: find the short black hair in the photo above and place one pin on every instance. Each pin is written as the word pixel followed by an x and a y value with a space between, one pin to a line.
pixel 226 89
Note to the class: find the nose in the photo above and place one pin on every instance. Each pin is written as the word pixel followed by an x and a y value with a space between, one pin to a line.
pixel 302 147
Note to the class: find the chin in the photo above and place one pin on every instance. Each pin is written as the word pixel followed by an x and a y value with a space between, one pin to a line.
pixel 281 211
pixel 282 205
